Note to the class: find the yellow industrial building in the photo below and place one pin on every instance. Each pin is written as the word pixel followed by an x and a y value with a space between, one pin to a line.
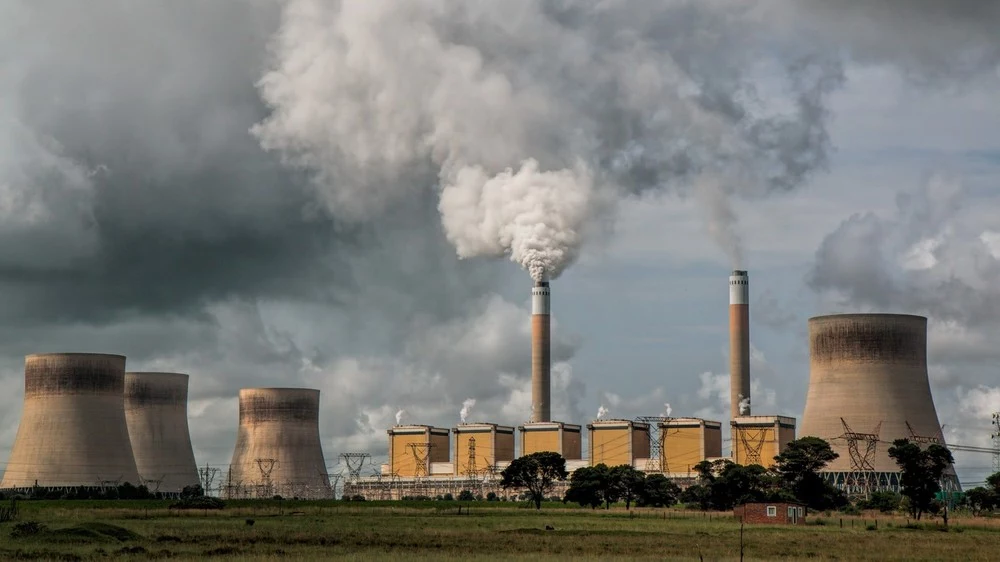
pixel 758 439
pixel 413 448
pixel 557 437
pixel 480 447
pixel 617 442
pixel 687 442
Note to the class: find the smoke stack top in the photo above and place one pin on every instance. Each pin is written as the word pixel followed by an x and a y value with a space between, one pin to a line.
pixel 739 287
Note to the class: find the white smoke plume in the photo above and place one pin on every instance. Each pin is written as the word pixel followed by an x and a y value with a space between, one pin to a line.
pixel 530 128
pixel 666 410
pixel 399 417
pixel 601 412
pixel 744 405
pixel 466 408
pixel 537 218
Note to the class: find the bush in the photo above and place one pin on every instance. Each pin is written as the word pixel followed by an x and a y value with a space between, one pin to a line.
pixel 202 502
pixel 492 497
pixel 465 496
pixel 27 529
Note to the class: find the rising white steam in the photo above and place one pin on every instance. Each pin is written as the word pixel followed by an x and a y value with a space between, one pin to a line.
pixel 744 405
pixel 666 410
pixel 466 408
pixel 601 412
pixel 399 416
pixel 535 217
pixel 529 120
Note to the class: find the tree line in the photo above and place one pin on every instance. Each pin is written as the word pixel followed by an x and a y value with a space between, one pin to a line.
pixel 722 484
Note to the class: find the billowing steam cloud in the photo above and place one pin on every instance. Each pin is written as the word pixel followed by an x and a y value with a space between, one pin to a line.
pixel 601 412
pixel 399 417
pixel 744 404
pixel 466 408
pixel 533 126
pixel 666 410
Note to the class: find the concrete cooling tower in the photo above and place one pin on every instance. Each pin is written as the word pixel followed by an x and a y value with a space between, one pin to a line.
pixel 73 430
pixel 541 359
pixel 156 413
pixel 278 449
pixel 868 386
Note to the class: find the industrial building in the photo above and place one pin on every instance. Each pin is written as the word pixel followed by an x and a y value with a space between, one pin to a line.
pixel 686 442
pixel 414 448
pixel 541 359
pixel 758 439
pixel 482 448
pixel 557 437
pixel 617 442
pixel 868 386
pixel 73 430
pixel 278 450
pixel 156 414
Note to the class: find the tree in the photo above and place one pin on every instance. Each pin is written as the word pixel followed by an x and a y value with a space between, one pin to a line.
pixel 920 472
pixel 980 499
pixel 536 473
pixel 629 482
pixel 658 491
pixel 593 486
pixel 799 465
pixel 465 496
pixel 885 501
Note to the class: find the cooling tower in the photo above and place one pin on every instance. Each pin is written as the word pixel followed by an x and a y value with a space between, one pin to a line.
pixel 739 344
pixel 72 430
pixel 156 413
pixel 278 449
pixel 868 372
pixel 541 390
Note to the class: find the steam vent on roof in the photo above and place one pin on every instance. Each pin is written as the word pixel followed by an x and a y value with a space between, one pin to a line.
pixel 73 430
pixel 278 450
pixel 868 386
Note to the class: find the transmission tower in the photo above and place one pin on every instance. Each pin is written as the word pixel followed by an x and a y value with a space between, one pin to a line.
pixel 421 456
pixel 752 440
pixel 861 479
pixel 207 475
pixel 921 439
pixel 355 462
pixel 266 466
pixel 657 461
pixel 470 466
pixel 996 442
pixel 153 484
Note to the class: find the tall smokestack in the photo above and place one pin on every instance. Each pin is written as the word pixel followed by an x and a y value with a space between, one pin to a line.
pixel 739 344
pixel 541 390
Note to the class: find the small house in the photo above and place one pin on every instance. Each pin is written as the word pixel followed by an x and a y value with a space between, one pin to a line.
pixel 782 513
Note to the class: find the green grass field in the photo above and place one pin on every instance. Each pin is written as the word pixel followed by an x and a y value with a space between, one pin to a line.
pixel 85 530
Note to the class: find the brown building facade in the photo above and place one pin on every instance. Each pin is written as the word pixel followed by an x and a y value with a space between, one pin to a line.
pixel 779 513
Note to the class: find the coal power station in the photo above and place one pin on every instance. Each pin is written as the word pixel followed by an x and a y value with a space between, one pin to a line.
pixel 87 423
pixel 868 386
pixel 278 450
pixel 73 430
pixel 156 414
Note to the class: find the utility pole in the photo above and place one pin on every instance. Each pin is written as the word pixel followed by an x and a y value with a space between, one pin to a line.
pixel 996 442
pixel 208 475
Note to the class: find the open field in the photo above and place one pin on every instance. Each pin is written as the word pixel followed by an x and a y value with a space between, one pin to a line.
pixel 84 530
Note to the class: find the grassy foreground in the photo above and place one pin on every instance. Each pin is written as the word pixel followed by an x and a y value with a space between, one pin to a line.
pixel 81 530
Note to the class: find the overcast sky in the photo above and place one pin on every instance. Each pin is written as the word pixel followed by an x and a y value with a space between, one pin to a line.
pixel 278 193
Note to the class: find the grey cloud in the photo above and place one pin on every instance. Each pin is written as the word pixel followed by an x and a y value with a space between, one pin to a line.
pixel 933 43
